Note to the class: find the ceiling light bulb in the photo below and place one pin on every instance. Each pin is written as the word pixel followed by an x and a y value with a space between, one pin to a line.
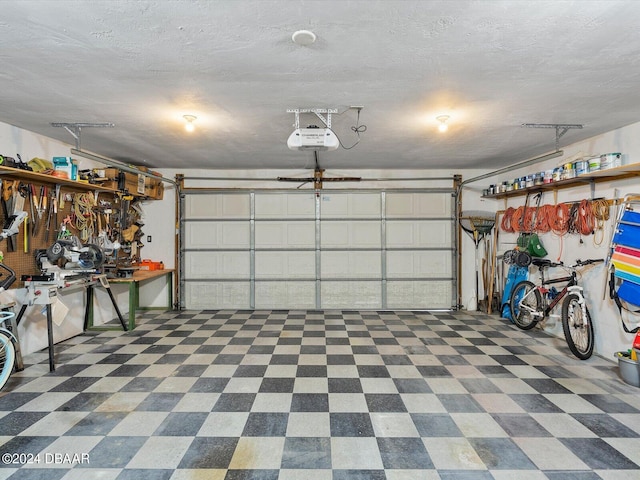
pixel 189 126
pixel 443 127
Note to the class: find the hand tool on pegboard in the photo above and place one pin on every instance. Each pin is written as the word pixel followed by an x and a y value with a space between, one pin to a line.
pixel 9 187
pixel 41 202
pixel 5 211
pixel 19 196
pixel 56 200
pixel 33 211
pixel 23 190
pixel 50 197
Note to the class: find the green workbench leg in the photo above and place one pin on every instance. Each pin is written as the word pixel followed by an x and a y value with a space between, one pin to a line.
pixel 134 291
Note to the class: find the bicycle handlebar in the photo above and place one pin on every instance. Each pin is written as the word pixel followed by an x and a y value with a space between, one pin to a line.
pixel 544 263
pixel 580 263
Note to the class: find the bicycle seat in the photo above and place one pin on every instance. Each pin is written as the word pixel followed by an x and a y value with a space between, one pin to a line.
pixel 542 262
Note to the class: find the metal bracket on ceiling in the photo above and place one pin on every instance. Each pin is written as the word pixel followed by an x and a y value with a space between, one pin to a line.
pixel 561 129
pixel 75 128
pixel 316 111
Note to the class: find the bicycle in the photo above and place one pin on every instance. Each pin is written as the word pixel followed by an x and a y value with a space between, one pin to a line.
pixel 7 350
pixel 530 303
pixel 8 341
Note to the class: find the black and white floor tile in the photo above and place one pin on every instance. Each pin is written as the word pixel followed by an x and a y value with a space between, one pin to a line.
pixel 336 395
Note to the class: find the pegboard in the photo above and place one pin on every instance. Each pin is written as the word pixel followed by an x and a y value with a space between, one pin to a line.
pixel 22 259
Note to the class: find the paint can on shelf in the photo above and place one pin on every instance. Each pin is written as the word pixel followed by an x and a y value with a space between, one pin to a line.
pixel 594 164
pixel 568 171
pixel 529 181
pixel 610 160
pixel 538 179
pixel 581 167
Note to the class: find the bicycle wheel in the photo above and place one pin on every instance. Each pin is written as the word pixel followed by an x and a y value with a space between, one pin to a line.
pixel 525 300
pixel 578 328
pixel 7 358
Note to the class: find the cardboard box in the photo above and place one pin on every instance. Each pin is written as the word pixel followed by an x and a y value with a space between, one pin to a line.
pixel 156 190
pixel 134 184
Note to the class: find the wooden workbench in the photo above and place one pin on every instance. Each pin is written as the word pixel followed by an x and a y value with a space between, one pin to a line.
pixel 140 276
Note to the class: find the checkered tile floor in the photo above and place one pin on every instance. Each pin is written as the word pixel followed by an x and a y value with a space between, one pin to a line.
pixel 345 395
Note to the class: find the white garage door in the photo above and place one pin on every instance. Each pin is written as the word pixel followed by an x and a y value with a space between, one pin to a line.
pixel 391 249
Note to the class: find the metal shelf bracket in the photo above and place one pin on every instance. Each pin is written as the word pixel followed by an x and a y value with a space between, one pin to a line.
pixel 561 129
pixel 75 129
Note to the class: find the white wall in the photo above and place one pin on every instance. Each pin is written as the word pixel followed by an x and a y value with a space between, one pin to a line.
pixel 610 337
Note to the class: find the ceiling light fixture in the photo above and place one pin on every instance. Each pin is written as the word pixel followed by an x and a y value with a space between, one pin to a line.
pixel 443 119
pixel 303 37
pixel 189 126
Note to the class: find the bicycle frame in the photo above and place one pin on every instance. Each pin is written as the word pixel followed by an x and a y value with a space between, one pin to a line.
pixel 571 287
pixel 561 294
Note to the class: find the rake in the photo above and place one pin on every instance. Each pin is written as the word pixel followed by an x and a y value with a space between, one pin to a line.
pixel 477 224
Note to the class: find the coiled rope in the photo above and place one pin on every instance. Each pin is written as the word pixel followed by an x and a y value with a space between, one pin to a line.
pixel 84 216
pixel 600 209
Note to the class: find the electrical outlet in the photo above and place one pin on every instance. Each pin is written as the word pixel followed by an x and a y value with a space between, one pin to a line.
pixel 148 238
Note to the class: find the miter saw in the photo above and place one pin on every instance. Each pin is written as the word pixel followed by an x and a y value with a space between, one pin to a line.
pixel 67 261
pixel 64 264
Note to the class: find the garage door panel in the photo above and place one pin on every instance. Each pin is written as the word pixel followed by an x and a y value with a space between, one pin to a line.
pixel 349 295
pixel 419 234
pixel 411 205
pixel 285 265
pixel 217 206
pixel 359 234
pixel 285 234
pixel 206 265
pixel 232 259
pixel 292 294
pixel 350 205
pixel 419 294
pixel 285 206
pixel 351 265
pixel 204 295
pixel 418 264
pixel 217 235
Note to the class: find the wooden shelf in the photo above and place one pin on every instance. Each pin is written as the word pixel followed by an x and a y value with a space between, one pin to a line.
pixel 39 178
pixel 624 171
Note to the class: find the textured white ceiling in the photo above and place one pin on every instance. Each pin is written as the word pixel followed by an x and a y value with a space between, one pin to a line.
pixel 490 65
